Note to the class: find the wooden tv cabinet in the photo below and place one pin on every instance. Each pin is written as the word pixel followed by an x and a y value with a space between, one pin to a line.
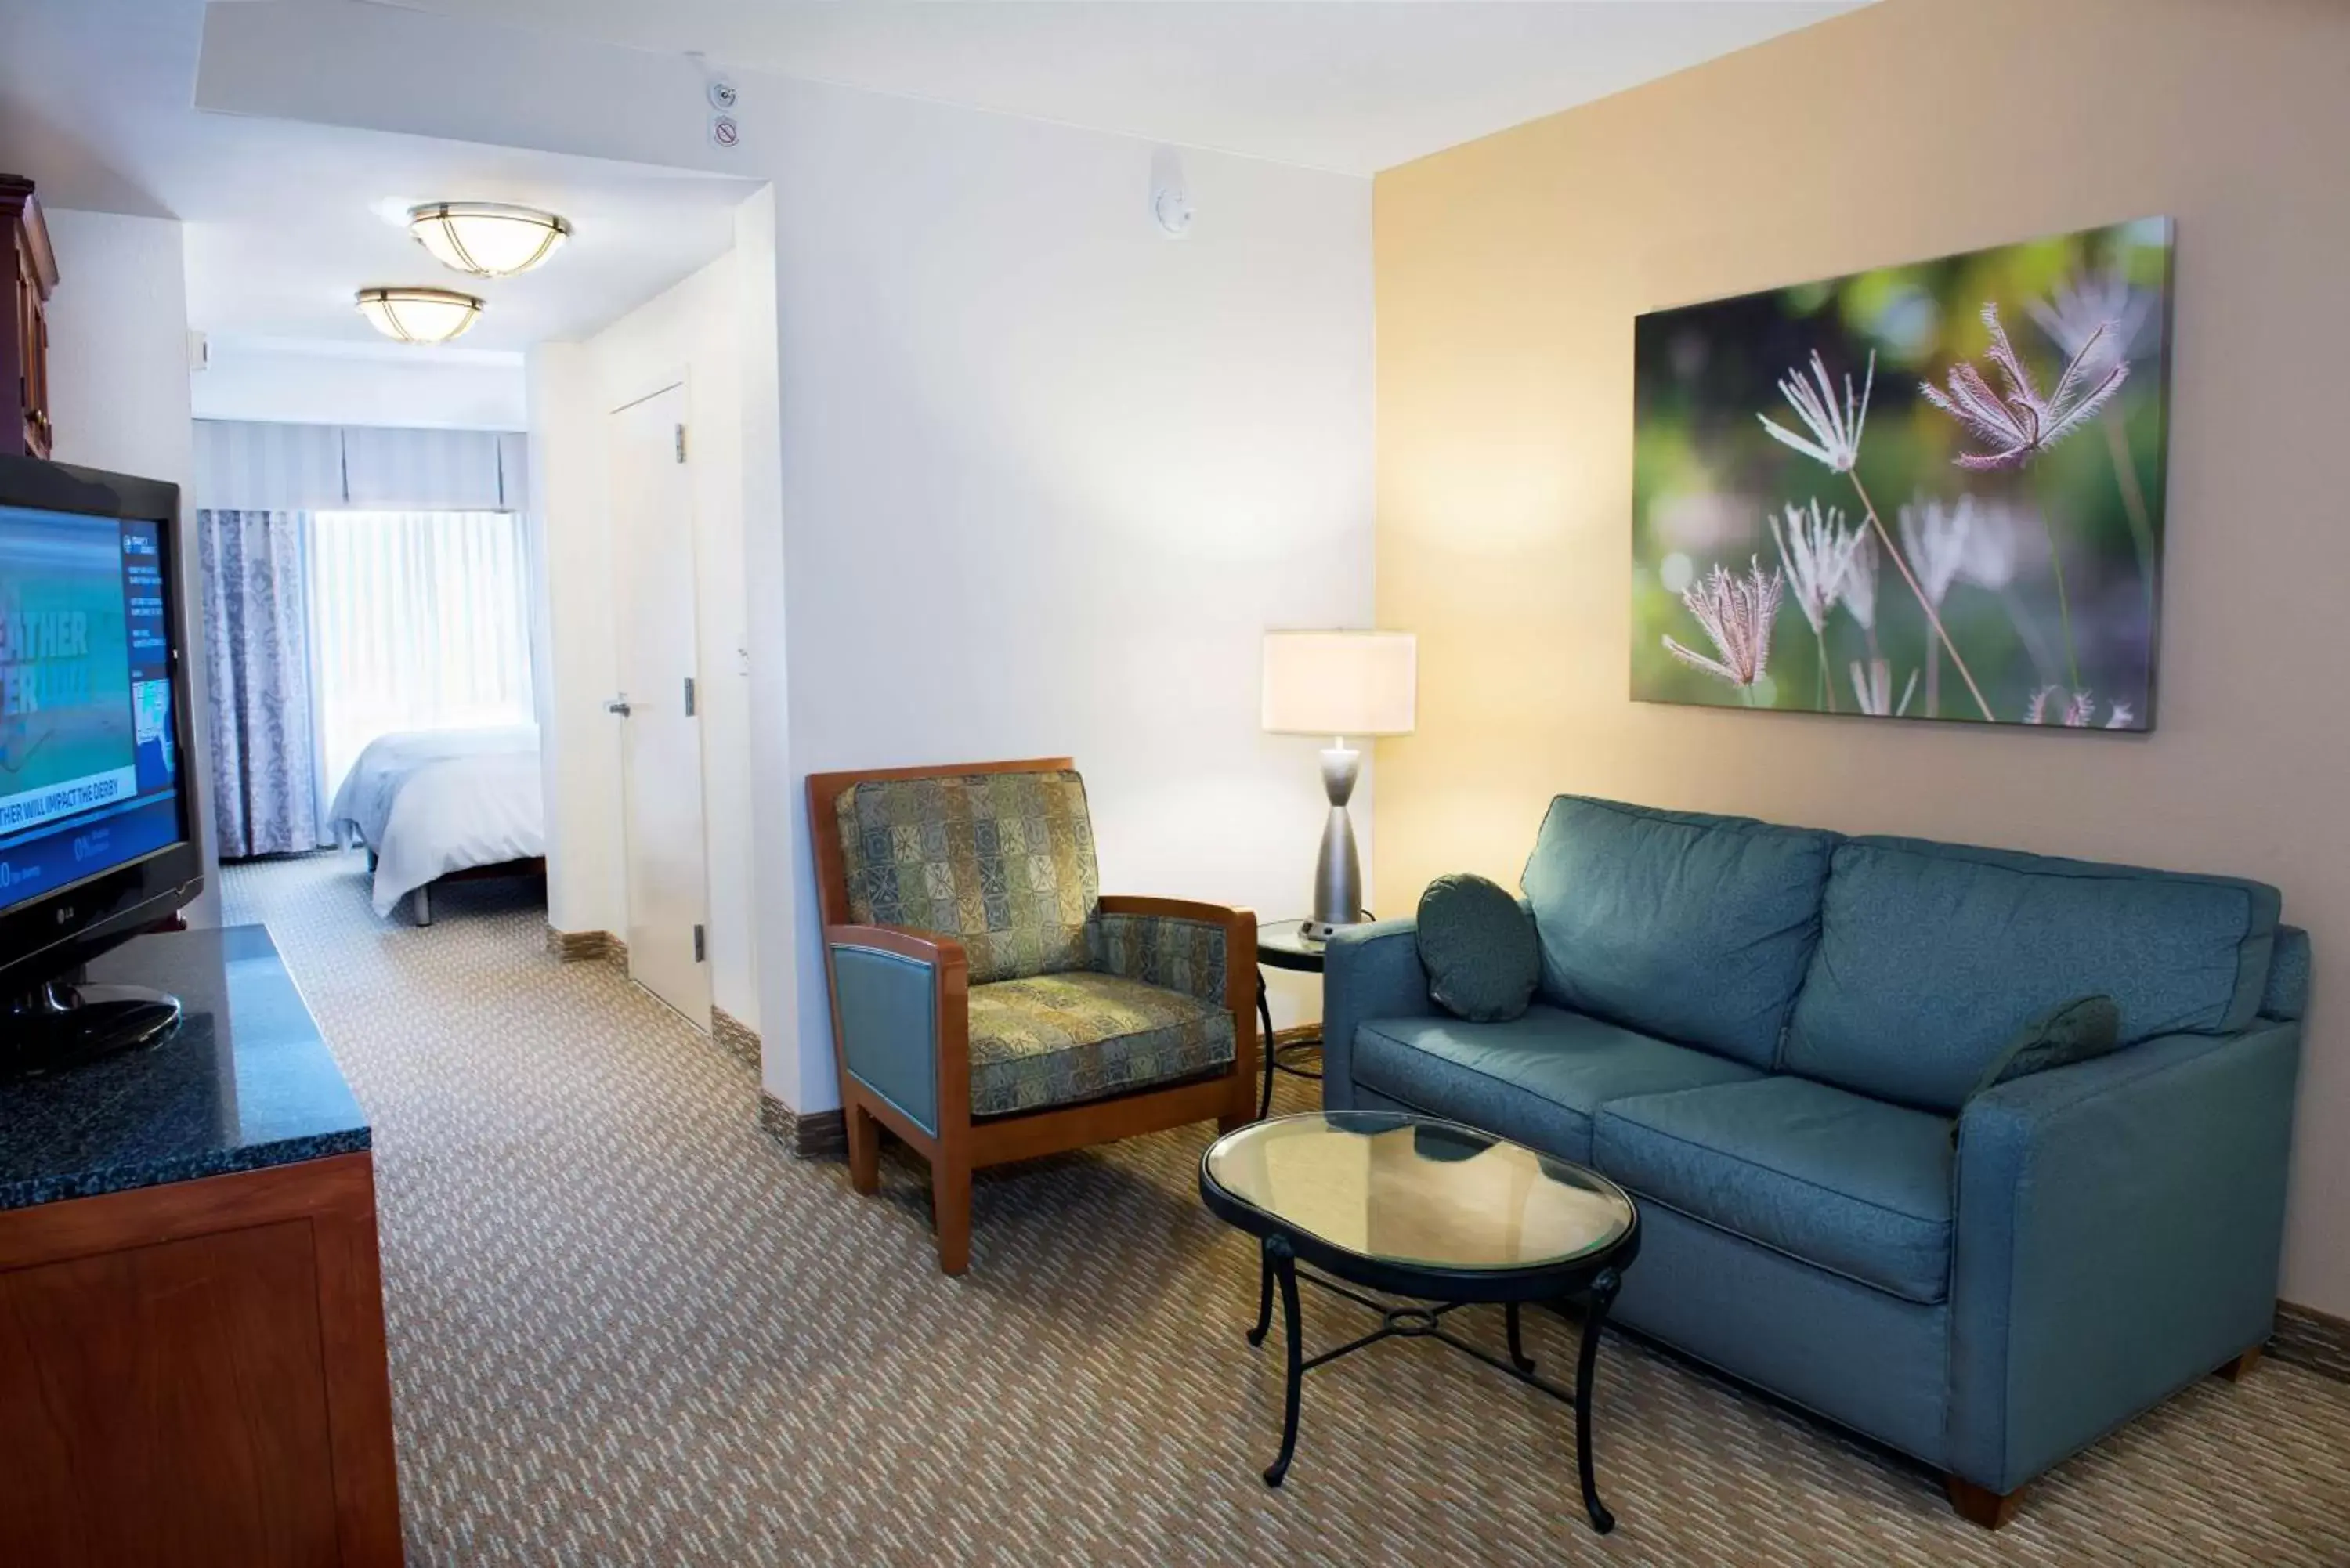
pixel 193 1370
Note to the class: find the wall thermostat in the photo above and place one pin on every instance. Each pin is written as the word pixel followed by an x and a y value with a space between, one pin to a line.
pixel 1170 194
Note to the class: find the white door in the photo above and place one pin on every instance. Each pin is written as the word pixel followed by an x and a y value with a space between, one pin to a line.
pixel 660 748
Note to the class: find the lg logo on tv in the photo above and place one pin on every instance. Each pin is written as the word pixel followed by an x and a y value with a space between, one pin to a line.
pixel 65 914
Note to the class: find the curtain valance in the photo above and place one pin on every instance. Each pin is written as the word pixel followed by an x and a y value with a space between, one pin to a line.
pixel 243 464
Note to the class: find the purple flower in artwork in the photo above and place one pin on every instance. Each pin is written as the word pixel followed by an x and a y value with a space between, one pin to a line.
pixel 1736 614
pixel 1834 424
pixel 2017 423
pixel 2074 710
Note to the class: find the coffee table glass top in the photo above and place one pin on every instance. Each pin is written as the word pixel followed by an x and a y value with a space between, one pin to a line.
pixel 1419 1192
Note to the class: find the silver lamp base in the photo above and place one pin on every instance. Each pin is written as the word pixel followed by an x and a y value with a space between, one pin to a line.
pixel 1338 871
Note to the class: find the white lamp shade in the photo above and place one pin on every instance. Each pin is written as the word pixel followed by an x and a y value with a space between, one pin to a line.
pixel 418 314
pixel 487 239
pixel 1340 682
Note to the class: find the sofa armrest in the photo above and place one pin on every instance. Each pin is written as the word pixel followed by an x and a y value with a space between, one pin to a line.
pixel 2120 1225
pixel 900 1014
pixel 1204 951
pixel 2286 995
pixel 1370 970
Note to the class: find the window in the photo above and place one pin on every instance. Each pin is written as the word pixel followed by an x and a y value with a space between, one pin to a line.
pixel 421 620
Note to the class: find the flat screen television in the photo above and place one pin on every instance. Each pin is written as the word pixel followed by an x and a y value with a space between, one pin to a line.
pixel 98 818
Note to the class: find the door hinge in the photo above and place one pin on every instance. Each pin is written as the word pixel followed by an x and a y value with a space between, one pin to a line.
pixel 700 945
pixel 680 443
pixel 689 696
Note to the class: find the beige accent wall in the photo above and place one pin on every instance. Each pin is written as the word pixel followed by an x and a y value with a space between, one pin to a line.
pixel 1508 274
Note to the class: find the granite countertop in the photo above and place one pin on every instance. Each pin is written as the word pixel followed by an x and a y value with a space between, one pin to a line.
pixel 247 1082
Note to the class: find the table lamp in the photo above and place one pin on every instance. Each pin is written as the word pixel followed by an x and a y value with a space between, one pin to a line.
pixel 1339 683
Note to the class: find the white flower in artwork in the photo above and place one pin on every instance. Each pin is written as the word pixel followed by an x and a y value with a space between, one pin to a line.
pixel 2101 314
pixel 1816 549
pixel 1835 426
pixel 1936 538
pixel 1872 688
pixel 1990 557
pixel 1858 590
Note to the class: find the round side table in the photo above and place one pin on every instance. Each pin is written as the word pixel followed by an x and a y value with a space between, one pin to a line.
pixel 1283 944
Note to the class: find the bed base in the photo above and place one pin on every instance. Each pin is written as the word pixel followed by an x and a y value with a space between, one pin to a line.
pixel 420 901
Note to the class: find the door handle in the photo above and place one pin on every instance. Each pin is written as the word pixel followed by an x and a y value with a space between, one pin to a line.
pixel 619 705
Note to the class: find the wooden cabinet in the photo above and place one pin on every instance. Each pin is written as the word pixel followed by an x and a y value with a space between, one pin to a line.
pixel 30 270
pixel 194 1374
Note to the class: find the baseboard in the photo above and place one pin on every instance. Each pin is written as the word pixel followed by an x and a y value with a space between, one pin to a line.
pixel 740 1040
pixel 577 947
pixel 573 947
pixel 815 1135
pixel 2317 1340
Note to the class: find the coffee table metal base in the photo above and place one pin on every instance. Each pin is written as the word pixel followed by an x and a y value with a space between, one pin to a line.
pixel 1280 1268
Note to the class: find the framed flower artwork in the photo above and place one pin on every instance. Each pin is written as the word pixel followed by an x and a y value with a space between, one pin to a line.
pixel 1925 491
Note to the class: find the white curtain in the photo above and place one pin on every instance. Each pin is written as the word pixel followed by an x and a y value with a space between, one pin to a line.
pixel 421 620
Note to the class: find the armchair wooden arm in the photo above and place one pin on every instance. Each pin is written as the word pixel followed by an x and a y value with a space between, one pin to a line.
pixel 948 1070
pixel 1240 977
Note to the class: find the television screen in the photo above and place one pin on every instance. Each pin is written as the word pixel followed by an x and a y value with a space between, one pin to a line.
pixel 90 774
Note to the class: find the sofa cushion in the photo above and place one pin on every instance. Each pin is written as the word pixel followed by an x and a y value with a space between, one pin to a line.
pixel 1837 1181
pixel 1477 944
pixel 1932 956
pixel 1058 1039
pixel 1002 862
pixel 1537 1079
pixel 1691 928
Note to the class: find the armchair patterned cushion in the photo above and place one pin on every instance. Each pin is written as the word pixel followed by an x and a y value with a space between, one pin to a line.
pixel 1002 862
pixel 989 1004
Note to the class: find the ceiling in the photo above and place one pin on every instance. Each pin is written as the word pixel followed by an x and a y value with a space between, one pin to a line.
pixel 284 221
pixel 1354 85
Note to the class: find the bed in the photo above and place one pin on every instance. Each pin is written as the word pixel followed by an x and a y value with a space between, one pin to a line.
pixel 436 804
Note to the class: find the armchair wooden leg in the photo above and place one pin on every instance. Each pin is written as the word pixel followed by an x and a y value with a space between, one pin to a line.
pixel 1981 1505
pixel 951 1212
pixel 864 1149
pixel 2235 1370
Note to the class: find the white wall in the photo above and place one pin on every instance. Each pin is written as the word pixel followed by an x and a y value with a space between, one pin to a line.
pixel 693 334
pixel 423 389
pixel 118 398
pixel 1049 476
pixel 1044 476
pixel 573 664
pixel 773 854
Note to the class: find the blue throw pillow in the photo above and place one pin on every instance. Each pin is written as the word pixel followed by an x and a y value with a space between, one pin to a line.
pixel 2074 1030
pixel 1478 945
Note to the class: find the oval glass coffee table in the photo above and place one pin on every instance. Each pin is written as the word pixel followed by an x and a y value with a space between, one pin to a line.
pixel 1433 1211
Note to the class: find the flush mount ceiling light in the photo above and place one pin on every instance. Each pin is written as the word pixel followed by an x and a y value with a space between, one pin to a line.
pixel 418 314
pixel 487 239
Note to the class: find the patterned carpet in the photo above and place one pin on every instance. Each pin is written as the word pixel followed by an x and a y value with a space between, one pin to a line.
pixel 626 1328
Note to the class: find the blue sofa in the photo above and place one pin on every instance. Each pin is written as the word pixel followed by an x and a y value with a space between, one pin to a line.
pixel 1768 1036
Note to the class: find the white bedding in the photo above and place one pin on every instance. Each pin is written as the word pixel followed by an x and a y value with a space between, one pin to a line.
pixel 432 802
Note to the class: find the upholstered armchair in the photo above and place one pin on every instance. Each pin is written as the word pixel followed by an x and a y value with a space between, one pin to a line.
pixel 989 1004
